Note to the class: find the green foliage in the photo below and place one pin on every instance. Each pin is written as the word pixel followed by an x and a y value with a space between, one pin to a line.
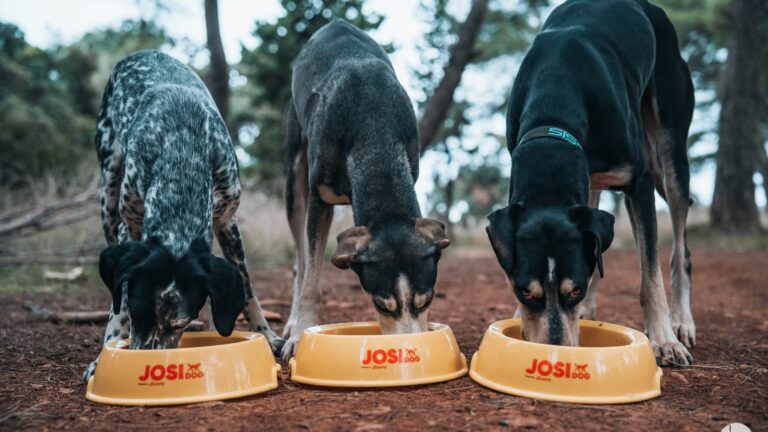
pixel 49 99
pixel 268 71
pixel 701 28
pixel 509 28
pixel 477 189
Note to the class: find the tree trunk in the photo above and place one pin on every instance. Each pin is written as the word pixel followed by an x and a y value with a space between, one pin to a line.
pixel 461 54
pixel 762 168
pixel 218 78
pixel 449 198
pixel 733 203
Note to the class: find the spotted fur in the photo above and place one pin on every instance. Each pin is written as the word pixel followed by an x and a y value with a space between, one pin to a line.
pixel 169 175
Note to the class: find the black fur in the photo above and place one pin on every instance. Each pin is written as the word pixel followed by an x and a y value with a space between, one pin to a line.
pixel 609 72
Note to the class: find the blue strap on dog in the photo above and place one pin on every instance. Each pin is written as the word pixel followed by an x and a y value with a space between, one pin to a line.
pixel 550 132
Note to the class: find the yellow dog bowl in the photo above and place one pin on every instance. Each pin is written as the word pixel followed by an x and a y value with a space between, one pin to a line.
pixel 358 355
pixel 205 367
pixel 613 364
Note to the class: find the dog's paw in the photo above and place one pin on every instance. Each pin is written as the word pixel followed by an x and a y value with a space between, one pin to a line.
pixel 277 345
pixel 289 326
pixel 671 353
pixel 289 348
pixel 90 370
pixel 685 330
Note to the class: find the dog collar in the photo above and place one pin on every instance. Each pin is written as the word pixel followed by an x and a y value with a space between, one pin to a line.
pixel 551 132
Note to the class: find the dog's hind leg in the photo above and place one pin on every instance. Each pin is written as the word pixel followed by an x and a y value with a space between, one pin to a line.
pixel 589 305
pixel 675 174
pixel 667 112
pixel 296 206
pixel 110 156
pixel 641 207
pixel 319 219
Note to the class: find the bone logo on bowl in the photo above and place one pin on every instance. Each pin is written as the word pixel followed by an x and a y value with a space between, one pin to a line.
pixel 378 359
pixel 545 370
pixel 156 374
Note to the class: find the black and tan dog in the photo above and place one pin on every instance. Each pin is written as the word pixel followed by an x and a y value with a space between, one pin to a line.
pixel 170 182
pixel 602 100
pixel 352 139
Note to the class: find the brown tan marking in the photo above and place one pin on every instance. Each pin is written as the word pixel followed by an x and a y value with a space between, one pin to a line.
pixel 611 179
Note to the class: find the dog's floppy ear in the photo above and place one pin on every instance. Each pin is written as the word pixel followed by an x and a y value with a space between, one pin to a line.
pixel 433 231
pixel 117 264
pixel 144 264
pixel 225 286
pixel 501 233
pixel 352 242
pixel 596 227
pixel 200 270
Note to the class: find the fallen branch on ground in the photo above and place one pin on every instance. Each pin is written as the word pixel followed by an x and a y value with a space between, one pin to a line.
pixel 275 302
pixel 46 314
pixel 72 275
pixel 269 315
pixel 43 218
pixel 43 313
pixel 40 259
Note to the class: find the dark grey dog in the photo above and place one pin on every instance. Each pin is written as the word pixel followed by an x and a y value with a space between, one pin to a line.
pixel 352 139
pixel 169 181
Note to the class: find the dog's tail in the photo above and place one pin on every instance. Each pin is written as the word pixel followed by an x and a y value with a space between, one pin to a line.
pixel 103 119
pixel 293 146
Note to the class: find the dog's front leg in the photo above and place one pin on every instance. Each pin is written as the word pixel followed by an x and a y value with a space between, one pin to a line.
pixel 231 243
pixel 642 212
pixel 589 305
pixel 119 324
pixel 319 219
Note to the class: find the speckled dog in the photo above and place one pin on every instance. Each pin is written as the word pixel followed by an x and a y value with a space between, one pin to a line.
pixel 169 180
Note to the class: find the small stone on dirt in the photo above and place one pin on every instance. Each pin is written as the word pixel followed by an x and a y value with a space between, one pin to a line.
pixel 362 427
pixel 380 410
pixel 677 376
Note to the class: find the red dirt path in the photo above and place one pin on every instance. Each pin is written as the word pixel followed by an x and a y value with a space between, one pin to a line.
pixel 41 363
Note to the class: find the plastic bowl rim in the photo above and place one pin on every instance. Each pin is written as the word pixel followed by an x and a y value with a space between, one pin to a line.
pixel 119 344
pixel 636 337
pixel 320 330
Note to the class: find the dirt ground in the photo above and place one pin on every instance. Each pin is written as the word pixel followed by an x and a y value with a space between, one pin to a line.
pixel 41 363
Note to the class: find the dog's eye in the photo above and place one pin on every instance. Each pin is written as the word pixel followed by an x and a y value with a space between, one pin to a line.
pixel 575 292
pixel 526 293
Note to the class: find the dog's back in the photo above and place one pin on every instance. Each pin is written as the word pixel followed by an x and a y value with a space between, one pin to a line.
pixel 151 91
pixel 598 52
pixel 342 82
pixel 160 123
pixel 337 47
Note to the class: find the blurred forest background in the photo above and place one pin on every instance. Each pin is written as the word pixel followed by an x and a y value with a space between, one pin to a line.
pixel 49 97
